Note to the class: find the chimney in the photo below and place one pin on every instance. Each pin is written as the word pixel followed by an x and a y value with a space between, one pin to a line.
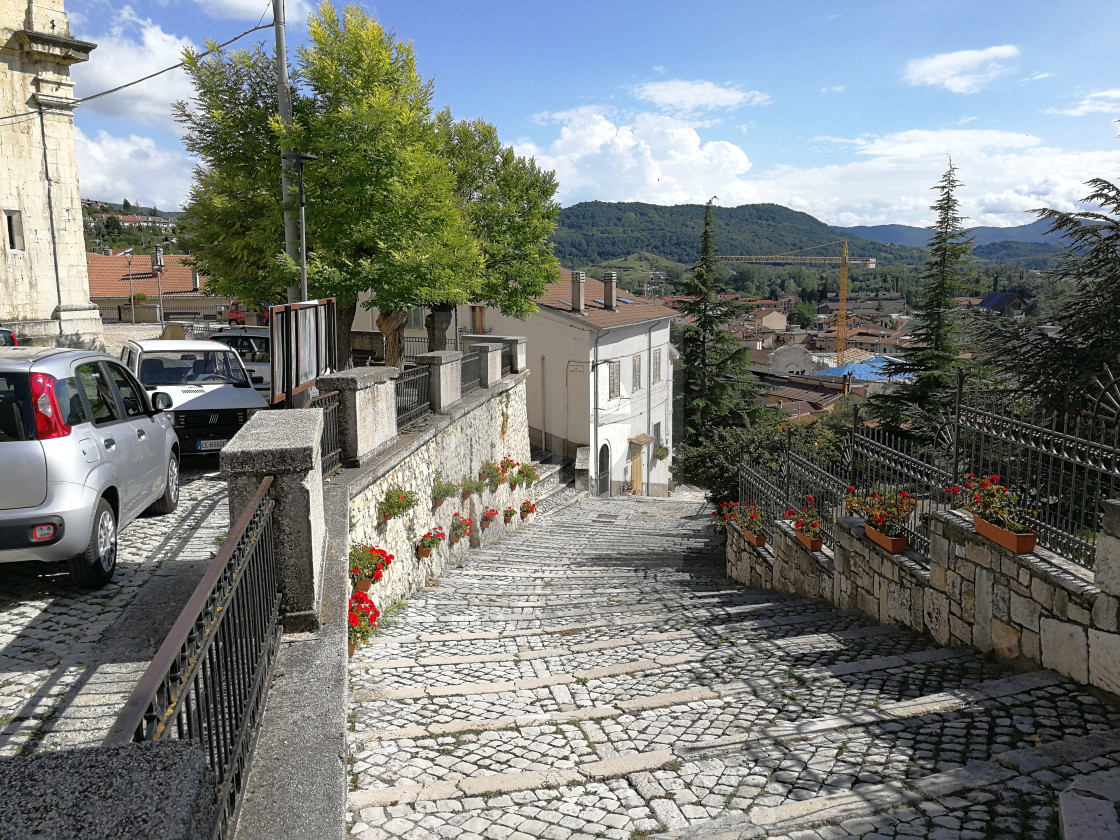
pixel 194 279
pixel 106 251
pixel 577 290
pixel 610 295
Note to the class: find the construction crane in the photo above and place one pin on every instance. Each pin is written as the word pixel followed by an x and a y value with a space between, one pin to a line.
pixel 843 261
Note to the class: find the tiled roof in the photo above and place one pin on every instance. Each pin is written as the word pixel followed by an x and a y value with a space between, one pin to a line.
pixel 108 277
pixel 558 297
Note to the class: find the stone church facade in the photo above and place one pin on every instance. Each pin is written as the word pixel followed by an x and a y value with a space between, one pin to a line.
pixel 44 290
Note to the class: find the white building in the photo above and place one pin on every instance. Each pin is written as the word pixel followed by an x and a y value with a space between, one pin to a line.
pixel 601 390
pixel 43 285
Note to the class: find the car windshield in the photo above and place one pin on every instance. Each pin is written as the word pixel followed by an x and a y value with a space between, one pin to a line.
pixel 182 367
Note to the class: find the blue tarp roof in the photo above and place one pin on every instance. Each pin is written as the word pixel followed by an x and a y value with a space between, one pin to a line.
pixel 869 369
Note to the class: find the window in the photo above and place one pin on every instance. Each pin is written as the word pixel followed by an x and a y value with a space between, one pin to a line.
pixel 13 223
pixel 656 434
pixel 92 381
pixel 614 380
pixel 655 366
pixel 636 380
pixel 131 395
pixel 415 319
pixel 70 402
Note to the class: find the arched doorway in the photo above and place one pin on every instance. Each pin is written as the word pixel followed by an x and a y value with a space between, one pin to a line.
pixel 604 485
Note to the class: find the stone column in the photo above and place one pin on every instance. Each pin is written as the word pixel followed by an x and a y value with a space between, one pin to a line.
pixel 367 410
pixel 445 377
pixel 517 344
pixel 1107 566
pixel 285 445
pixel 489 363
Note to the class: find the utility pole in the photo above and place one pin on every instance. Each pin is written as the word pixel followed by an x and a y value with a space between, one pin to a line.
pixel 284 96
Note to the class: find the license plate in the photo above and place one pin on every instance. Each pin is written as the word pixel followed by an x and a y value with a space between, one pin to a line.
pixel 208 445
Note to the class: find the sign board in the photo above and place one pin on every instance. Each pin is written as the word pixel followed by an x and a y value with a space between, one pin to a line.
pixel 303 345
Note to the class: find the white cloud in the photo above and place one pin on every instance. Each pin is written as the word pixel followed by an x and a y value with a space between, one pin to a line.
pixel 658 159
pixel 1037 77
pixel 967 71
pixel 1101 102
pixel 833 89
pixel 135 47
pixel 295 11
pixel 113 168
pixel 682 96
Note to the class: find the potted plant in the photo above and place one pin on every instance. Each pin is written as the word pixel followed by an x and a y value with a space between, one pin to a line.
pixel 807 525
pixel 508 514
pixel 460 527
pixel 367 564
pixel 442 490
pixel 660 453
pixel 527 507
pixel 884 515
pixel 748 517
pixel 430 540
pixel 507 464
pixel 491 475
pixel 486 517
pixel 362 620
pixel 527 474
pixel 397 501
pixel 996 513
pixel 471 485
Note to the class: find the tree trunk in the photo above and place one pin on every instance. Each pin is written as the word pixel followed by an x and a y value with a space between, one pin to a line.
pixel 437 322
pixel 343 341
pixel 391 325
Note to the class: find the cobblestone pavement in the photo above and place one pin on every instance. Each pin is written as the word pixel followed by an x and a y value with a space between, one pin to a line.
pixel 596 675
pixel 69 658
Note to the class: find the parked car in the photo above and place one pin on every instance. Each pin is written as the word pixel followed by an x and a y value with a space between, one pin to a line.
pixel 238 311
pixel 254 346
pixel 8 338
pixel 83 452
pixel 203 385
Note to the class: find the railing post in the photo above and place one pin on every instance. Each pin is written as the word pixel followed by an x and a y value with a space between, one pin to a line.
pixel 285 444
pixel 785 468
pixel 489 363
pixel 853 474
pixel 957 427
pixel 367 409
pixel 445 379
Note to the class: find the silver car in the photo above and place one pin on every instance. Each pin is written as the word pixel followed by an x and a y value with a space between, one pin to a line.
pixel 82 454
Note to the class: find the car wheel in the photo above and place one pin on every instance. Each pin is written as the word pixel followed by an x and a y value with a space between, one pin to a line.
pixel 170 498
pixel 94 567
pixel 233 322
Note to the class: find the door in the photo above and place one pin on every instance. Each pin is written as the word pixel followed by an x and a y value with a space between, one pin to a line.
pixel 115 437
pixel 636 470
pixel 145 427
pixel 604 488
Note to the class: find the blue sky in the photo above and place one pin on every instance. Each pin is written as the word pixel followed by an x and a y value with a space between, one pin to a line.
pixel 844 110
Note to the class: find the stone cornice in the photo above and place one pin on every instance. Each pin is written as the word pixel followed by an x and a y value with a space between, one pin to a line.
pixel 54 49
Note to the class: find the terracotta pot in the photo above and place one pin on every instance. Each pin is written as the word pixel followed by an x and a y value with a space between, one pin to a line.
pixel 363 585
pixel 350 648
pixel 485 523
pixel 508 519
pixel 423 552
pixel 524 515
pixel 811 544
pixel 437 502
pixel 1013 542
pixel 466 495
pixel 453 539
pixel 895 545
pixel 513 482
pixel 758 540
pixel 386 517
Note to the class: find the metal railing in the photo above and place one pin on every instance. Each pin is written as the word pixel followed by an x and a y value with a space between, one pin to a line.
pixel 413 395
pixel 470 372
pixel 209 679
pixel 507 358
pixel 330 446
pixel 1061 468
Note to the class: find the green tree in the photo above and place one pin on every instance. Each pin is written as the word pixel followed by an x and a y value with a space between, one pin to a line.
pixel 718 388
pixel 1059 370
pixel 126 206
pixel 930 362
pixel 113 226
pixel 803 314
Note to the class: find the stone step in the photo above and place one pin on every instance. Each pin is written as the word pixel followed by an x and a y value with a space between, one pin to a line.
pixel 1088 807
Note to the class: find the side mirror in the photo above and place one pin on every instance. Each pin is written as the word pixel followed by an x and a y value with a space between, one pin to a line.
pixel 161 401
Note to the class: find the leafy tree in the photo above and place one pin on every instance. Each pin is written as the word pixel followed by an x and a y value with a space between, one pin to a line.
pixel 126 206
pixel 113 226
pixel 931 360
pixel 718 388
pixel 1059 370
pixel 803 314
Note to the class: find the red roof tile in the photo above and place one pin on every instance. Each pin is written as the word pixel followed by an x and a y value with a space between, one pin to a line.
pixel 558 297
pixel 108 277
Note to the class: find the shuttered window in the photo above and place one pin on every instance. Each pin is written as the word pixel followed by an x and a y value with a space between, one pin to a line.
pixel 655 366
pixel 636 382
pixel 615 379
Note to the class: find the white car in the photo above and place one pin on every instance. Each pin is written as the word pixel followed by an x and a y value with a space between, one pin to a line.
pixel 253 345
pixel 210 392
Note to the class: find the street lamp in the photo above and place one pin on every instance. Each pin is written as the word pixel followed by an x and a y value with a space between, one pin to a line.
pixel 300 160
pixel 157 270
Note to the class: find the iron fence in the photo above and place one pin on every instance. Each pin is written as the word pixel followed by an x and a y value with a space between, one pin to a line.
pixel 209 679
pixel 470 373
pixel 413 395
pixel 1059 467
pixel 331 448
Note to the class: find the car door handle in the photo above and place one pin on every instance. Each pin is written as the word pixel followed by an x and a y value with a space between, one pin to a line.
pixel 140 433
pixel 110 443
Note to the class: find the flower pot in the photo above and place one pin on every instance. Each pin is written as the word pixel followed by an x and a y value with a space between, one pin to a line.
pixel 508 519
pixel 466 495
pixel 809 543
pixel 758 540
pixel 485 523
pixel 350 648
pixel 423 552
pixel 453 539
pixel 385 517
pixel 437 502
pixel 895 545
pixel 1012 541
pixel 363 585
pixel 513 484
pixel 524 515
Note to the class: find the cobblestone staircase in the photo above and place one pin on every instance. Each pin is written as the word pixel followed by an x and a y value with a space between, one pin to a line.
pixel 596 675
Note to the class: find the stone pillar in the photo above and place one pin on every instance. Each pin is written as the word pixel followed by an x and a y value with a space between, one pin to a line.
pixel 1107 566
pixel 367 410
pixel 285 444
pixel 489 363
pixel 517 344
pixel 445 378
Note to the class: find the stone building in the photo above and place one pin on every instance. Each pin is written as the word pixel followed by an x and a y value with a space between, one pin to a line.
pixel 43 283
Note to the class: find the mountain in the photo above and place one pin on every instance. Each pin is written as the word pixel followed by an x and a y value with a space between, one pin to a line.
pixel 917 237
pixel 597 231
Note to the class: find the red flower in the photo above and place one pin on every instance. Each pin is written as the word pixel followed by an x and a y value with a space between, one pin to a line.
pixel 378 574
pixel 353 619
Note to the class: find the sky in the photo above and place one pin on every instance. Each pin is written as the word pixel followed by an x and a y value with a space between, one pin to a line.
pixel 848 111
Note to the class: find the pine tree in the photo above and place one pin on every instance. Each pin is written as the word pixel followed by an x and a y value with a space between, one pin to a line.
pixel 718 388
pixel 930 363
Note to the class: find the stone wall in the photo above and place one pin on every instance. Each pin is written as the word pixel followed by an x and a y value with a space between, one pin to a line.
pixel 486 425
pixel 1032 610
